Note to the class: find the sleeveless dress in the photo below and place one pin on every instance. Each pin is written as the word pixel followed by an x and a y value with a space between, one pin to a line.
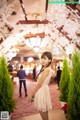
pixel 42 100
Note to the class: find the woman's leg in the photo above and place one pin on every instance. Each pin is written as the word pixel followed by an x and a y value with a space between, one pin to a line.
pixel 44 115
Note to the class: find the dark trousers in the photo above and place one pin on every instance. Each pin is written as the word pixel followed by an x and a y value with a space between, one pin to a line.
pixel 20 86
pixel 58 80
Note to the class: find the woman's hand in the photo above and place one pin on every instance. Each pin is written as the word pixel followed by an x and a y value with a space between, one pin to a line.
pixel 31 98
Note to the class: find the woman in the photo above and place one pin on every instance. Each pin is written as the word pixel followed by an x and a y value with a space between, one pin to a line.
pixel 41 93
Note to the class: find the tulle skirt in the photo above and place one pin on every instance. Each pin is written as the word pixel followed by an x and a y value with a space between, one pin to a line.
pixel 42 100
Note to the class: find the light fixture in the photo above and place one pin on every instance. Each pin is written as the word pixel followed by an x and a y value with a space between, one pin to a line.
pixel 30 59
pixel 35 43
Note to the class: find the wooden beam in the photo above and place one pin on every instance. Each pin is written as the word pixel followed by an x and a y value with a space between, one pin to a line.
pixel 41 35
pixel 78 46
pixel 46 7
pixel 32 22
pixel 1 40
pixel 61 31
pixel 74 7
pixel 23 9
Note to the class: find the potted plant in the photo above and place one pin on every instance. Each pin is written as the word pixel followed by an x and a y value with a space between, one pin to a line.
pixel 74 89
pixel 6 88
pixel 64 84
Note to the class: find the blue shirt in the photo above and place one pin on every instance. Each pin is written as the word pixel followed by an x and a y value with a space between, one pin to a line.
pixel 21 74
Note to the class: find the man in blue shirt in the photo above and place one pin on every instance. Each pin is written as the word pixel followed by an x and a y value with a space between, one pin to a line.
pixel 22 79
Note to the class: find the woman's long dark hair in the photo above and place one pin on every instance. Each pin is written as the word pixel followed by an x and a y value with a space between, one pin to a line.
pixel 49 56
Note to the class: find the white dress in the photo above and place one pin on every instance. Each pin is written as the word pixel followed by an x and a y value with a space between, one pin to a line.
pixel 42 100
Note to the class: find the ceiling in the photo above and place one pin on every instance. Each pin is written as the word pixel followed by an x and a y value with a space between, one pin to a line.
pixel 15 18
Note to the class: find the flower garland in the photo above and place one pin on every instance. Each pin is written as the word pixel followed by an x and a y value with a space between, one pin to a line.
pixel 54 30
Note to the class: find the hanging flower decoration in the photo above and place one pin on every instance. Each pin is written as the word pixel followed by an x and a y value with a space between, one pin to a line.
pixel 57 30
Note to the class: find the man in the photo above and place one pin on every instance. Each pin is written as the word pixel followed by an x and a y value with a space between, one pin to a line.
pixel 22 79
pixel 58 75
pixel 34 73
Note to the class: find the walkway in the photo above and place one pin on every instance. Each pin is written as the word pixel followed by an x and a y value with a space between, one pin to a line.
pixel 55 114
pixel 24 107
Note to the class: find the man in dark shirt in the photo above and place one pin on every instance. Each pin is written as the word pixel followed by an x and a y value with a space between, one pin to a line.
pixel 34 73
pixel 58 75
pixel 22 79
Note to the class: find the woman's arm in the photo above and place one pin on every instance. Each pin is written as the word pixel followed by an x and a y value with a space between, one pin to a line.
pixel 41 80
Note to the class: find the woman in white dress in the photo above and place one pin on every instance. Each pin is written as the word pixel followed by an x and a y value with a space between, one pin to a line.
pixel 41 93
